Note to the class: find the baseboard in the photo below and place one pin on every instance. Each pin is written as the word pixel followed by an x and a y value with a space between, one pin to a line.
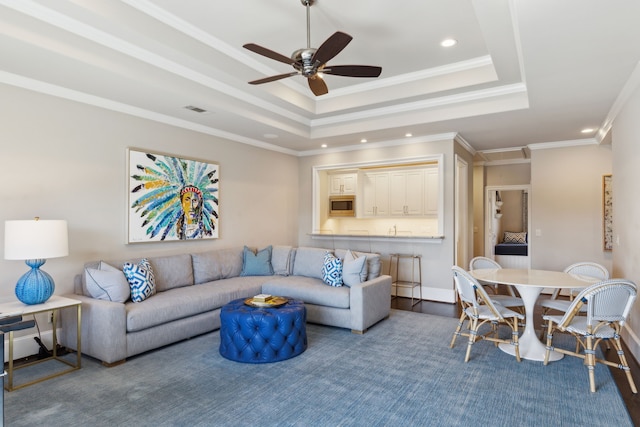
pixel 431 294
pixel 25 345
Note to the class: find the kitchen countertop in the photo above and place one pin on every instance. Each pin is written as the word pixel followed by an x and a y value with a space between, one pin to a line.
pixel 379 237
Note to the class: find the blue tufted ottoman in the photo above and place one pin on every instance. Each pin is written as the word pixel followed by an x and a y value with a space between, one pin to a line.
pixel 262 335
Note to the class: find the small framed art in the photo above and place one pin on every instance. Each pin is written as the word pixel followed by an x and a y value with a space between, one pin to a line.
pixel 607 212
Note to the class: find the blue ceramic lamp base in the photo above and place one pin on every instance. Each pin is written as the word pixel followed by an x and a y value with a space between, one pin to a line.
pixel 35 286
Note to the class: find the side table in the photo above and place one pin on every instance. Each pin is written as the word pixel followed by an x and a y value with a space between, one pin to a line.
pixel 53 305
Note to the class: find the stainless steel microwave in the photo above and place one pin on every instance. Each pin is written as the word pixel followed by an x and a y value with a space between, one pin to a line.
pixel 344 205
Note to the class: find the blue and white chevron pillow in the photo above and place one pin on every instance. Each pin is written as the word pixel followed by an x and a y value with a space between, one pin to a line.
pixel 332 270
pixel 141 280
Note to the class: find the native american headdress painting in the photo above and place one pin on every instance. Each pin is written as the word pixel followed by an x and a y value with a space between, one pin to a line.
pixel 171 198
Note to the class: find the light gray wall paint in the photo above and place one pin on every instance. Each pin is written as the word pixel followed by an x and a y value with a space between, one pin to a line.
pixel 626 205
pixel 64 160
pixel 566 206
pixel 437 258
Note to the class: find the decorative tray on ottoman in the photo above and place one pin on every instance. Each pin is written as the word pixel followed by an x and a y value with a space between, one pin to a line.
pixel 273 301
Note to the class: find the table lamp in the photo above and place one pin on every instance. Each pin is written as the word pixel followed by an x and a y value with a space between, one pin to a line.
pixel 34 241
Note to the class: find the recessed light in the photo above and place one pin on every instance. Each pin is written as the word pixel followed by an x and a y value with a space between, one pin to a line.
pixel 408 135
pixel 448 42
pixel 363 140
pixel 324 146
pixel 587 130
pixel 270 135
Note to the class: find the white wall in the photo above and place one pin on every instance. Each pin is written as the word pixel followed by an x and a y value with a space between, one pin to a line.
pixel 437 258
pixel 64 160
pixel 626 205
pixel 566 206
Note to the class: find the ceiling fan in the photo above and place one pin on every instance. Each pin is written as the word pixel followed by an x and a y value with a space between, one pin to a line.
pixel 312 63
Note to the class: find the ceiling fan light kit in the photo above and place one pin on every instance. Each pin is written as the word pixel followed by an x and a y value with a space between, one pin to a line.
pixel 309 62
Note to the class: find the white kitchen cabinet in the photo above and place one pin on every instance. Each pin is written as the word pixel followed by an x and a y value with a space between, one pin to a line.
pixel 342 183
pixel 400 192
pixel 375 194
pixel 432 190
pixel 407 192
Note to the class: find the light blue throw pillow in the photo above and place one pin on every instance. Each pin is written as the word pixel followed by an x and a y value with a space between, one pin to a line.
pixel 141 280
pixel 257 264
pixel 332 270
pixel 354 269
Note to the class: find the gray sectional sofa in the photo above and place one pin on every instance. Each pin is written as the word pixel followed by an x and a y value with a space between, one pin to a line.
pixel 192 288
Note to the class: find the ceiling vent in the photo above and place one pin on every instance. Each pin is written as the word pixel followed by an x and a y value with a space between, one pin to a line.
pixel 196 109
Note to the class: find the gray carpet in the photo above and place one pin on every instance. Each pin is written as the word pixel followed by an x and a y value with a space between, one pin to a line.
pixel 401 372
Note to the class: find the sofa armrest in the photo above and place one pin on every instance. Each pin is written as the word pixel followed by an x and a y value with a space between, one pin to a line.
pixel 370 302
pixel 104 329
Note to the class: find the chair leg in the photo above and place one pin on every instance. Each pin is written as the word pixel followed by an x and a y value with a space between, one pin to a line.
pixel 544 325
pixel 624 364
pixel 549 338
pixel 515 338
pixel 473 333
pixel 590 361
pixel 494 326
pixel 457 331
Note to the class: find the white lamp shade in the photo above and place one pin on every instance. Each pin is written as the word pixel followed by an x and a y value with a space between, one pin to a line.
pixel 35 239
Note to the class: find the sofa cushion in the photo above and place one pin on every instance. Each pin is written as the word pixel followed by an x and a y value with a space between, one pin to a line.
pixel 354 269
pixel 216 265
pixel 106 283
pixel 308 289
pixel 176 304
pixel 256 263
pixel 374 263
pixel 332 270
pixel 173 271
pixel 308 262
pixel 281 260
pixel 141 279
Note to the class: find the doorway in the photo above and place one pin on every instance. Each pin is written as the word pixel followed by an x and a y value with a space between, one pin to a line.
pixel 507 209
pixel 463 242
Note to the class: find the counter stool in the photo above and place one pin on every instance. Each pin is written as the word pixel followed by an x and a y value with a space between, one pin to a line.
pixel 413 282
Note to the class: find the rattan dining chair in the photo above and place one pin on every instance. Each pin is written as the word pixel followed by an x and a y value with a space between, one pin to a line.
pixel 608 304
pixel 590 269
pixel 511 300
pixel 478 309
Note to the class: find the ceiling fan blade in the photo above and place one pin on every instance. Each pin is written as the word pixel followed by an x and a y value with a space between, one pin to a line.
pixel 268 53
pixel 318 86
pixel 331 47
pixel 353 70
pixel 273 78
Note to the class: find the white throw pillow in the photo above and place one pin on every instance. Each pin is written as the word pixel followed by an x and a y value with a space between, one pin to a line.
pixel 354 269
pixel 107 283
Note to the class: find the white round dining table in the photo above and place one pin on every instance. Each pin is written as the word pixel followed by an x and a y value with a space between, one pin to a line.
pixel 530 284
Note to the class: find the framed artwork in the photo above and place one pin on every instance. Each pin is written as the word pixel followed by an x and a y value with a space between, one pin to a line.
pixel 607 212
pixel 171 198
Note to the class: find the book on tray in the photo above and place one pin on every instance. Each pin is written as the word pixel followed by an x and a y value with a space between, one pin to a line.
pixel 262 298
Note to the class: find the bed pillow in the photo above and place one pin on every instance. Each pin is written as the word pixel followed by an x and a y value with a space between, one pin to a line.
pixel 354 269
pixel 515 237
pixel 257 264
pixel 332 270
pixel 106 283
pixel 141 280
